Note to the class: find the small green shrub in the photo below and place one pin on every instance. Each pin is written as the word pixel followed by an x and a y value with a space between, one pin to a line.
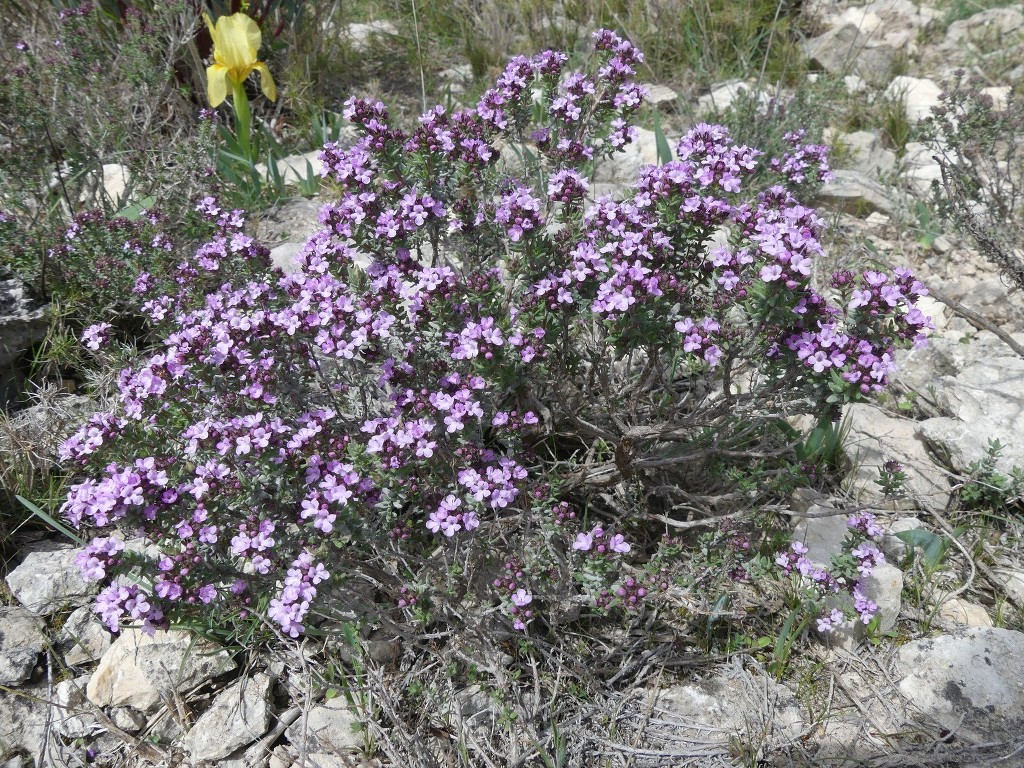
pixel 980 152
pixel 765 118
pixel 989 491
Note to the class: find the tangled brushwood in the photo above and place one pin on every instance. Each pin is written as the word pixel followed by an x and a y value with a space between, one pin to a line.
pixel 478 392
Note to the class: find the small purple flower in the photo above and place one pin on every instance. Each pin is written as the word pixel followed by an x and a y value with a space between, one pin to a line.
pixel 583 542
pixel 95 336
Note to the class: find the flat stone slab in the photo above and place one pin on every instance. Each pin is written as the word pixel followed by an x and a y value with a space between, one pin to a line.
pixel 970 683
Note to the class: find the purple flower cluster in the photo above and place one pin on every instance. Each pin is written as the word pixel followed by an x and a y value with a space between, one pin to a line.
pixel 515 597
pixel 519 213
pixel 97 556
pixel 598 543
pixel 119 601
pixel 299 590
pixel 825 582
pixel 858 343
pixel 802 160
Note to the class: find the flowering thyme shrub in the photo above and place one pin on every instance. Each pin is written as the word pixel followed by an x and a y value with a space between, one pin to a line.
pixel 97 266
pixel 448 421
pixel 979 149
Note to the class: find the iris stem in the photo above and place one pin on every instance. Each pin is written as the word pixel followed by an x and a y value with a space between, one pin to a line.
pixel 243 119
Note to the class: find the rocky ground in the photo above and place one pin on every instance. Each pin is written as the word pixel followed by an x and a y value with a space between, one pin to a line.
pixel 947 688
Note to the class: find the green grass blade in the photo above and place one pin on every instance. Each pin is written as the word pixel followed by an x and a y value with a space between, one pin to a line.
pixel 52 522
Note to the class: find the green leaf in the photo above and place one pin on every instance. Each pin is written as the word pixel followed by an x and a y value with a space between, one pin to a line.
pixel 933 547
pixel 664 151
pixel 133 211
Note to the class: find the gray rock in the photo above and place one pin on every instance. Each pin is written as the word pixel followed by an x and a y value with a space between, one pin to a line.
pixel 993 298
pixel 920 167
pixel 72 715
pixel 623 167
pixel 1000 95
pixel 903 13
pixel 21 642
pixel 997 21
pixel 40 429
pixel 885 587
pixel 325 760
pixel 723 95
pixel 23 716
pixel 281 757
pixel 946 354
pixel 938 312
pixel 847 49
pixel 854 84
pixel 868 153
pixel 137 667
pixel 83 638
pixel 238 716
pixel 456 78
pixel 283 256
pixel 48 578
pixel 961 613
pixel 328 727
pixel 970 683
pixel 1012 581
pixel 362 35
pixel 111 187
pixel 22 321
pixel 875 437
pixel 855 193
pixel 845 636
pixel 823 534
pixel 660 94
pixel 294 169
pixel 726 708
pixel 983 403
pixel 128 719
pixel 805 498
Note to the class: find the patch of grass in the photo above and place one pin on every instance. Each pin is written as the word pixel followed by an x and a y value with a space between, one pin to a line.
pixel 897 130
pixel 958 10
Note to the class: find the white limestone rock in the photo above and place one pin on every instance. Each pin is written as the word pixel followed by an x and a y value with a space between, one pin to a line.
pixel 23 719
pixel 83 638
pixel 623 167
pixel 971 683
pixel 874 438
pixel 239 715
pixel 849 50
pixel 855 193
pixel 821 532
pixel 327 727
pixel 917 94
pixel 884 586
pixel 961 613
pixel 48 579
pixel 137 666
pixel 21 642
pixel 72 715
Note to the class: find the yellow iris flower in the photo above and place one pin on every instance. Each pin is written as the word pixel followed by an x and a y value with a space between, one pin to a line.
pixel 236 41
